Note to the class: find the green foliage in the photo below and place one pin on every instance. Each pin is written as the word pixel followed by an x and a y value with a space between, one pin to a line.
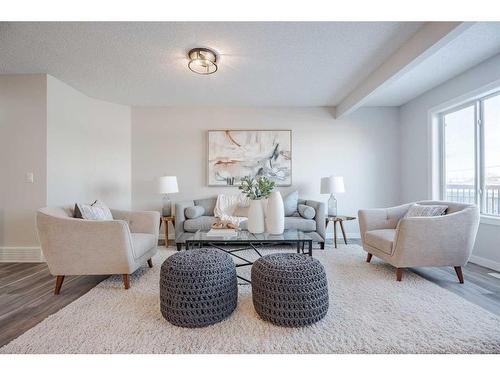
pixel 256 188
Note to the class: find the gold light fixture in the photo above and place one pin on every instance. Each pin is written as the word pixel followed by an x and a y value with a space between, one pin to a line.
pixel 202 61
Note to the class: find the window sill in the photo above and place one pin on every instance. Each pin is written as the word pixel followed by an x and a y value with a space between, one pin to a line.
pixel 490 220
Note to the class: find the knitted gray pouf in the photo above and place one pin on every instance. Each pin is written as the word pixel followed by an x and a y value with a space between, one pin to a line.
pixel 198 287
pixel 289 289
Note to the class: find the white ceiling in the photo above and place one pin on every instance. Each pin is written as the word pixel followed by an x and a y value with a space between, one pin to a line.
pixel 262 64
pixel 474 45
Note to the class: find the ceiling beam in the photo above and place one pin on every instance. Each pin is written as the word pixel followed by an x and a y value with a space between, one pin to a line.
pixel 426 41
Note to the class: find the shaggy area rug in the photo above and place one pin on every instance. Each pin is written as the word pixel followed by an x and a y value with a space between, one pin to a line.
pixel 369 313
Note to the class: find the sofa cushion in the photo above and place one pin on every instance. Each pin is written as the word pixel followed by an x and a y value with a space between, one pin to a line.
pixel 194 212
pixel 381 239
pixel 290 203
pixel 200 223
pixel 307 212
pixel 208 204
pixel 299 223
pixel 142 243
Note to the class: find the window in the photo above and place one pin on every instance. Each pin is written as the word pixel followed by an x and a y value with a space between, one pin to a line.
pixel 470 150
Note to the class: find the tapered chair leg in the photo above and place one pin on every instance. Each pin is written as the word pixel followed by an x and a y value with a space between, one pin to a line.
pixel 126 283
pixel 368 257
pixel 399 274
pixel 59 282
pixel 150 263
pixel 460 275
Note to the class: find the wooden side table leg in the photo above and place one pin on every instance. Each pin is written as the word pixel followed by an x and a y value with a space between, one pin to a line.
pixel 343 231
pixel 166 233
pixel 335 233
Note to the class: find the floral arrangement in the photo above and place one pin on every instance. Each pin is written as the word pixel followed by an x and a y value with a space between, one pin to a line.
pixel 256 188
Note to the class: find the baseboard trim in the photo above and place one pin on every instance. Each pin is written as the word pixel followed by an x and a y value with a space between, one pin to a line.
pixel 485 262
pixel 329 235
pixel 21 255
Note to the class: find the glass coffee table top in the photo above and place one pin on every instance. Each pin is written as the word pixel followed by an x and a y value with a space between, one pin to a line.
pixel 246 236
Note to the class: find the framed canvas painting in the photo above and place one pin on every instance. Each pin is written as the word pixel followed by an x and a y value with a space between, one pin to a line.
pixel 233 154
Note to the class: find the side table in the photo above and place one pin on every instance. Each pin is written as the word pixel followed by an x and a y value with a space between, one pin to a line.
pixel 165 220
pixel 340 220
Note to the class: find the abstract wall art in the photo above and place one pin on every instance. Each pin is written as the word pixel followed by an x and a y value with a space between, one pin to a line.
pixel 233 154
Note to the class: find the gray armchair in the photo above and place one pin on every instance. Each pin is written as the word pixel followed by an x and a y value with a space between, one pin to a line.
pixel 420 241
pixel 315 228
pixel 90 247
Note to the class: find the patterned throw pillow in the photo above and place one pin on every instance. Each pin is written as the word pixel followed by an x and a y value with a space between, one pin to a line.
pixel 95 211
pixel 307 212
pixel 418 210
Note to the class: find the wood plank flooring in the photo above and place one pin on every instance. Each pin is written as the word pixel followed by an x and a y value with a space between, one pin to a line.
pixel 27 296
pixel 27 291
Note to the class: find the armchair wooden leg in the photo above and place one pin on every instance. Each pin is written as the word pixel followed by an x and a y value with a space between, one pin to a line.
pixel 59 282
pixel 399 274
pixel 368 257
pixel 150 263
pixel 126 283
pixel 460 275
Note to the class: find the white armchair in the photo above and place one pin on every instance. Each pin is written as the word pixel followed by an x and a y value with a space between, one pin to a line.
pixel 89 247
pixel 420 241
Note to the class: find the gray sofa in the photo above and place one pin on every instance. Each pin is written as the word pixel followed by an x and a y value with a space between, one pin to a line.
pixel 434 241
pixel 184 227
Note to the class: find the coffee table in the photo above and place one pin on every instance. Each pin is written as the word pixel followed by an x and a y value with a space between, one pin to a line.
pixel 244 240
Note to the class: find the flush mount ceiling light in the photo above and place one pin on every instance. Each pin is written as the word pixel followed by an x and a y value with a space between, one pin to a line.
pixel 202 61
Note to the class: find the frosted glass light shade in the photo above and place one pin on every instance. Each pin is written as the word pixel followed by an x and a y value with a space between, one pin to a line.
pixel 332 185
pixel 167 185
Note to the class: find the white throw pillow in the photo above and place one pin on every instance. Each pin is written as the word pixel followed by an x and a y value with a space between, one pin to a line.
pixel 418 210
pixel 95 211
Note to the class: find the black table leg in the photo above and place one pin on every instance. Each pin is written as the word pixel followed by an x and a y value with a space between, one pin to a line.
pixel 310 248
pixel 298 247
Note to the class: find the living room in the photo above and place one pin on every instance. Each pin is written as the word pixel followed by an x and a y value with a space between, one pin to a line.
pixel 333 186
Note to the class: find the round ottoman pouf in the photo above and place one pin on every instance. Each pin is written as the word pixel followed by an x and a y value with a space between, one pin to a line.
pixel 198 287
pixel 289 289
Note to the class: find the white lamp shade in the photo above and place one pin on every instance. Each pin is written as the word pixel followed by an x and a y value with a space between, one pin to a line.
pixel 167 185
pixel 332 185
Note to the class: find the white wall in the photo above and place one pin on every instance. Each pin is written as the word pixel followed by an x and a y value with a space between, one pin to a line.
pixel 88 148
pixel 362 147
pixel 23 120
pixel 415 144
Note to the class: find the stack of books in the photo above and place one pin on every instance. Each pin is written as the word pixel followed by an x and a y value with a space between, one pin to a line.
pixel 222 233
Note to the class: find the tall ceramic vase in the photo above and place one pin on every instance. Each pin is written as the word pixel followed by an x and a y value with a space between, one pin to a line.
pixel 256 217
pixel 275 215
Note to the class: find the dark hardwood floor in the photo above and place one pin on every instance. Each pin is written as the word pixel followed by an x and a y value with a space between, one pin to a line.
pixel 27 292
pixel 27 296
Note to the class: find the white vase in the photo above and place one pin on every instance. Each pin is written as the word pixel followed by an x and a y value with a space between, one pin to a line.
pixel 275 215
pixel 256 217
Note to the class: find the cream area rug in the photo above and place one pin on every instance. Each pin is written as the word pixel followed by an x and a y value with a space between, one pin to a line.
pixel 369 313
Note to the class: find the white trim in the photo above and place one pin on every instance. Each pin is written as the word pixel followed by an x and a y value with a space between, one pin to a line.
pixel 485 262
pixel 490 220
pixel 21 255
pixel 329 235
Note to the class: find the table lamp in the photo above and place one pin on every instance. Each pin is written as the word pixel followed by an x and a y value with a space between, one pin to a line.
pixel 332 185
pixel 167 185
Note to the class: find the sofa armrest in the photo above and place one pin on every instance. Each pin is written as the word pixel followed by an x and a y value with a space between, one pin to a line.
pixel 180 218
pixel 320 218
pixel 380 218
pixel 85 247
pixel 445 240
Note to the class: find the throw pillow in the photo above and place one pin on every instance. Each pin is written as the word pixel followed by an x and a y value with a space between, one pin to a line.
pixel 194 212
pixel 95 211
pixel 290 203
pixel 307 212
pixel 418 210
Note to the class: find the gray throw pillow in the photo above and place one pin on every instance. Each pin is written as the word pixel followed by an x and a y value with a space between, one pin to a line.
pixel 418 210
pixel 290 203
pixel 194 212
pixel 307 212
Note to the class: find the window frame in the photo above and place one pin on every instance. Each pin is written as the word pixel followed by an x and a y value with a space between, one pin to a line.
pixel 479 152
